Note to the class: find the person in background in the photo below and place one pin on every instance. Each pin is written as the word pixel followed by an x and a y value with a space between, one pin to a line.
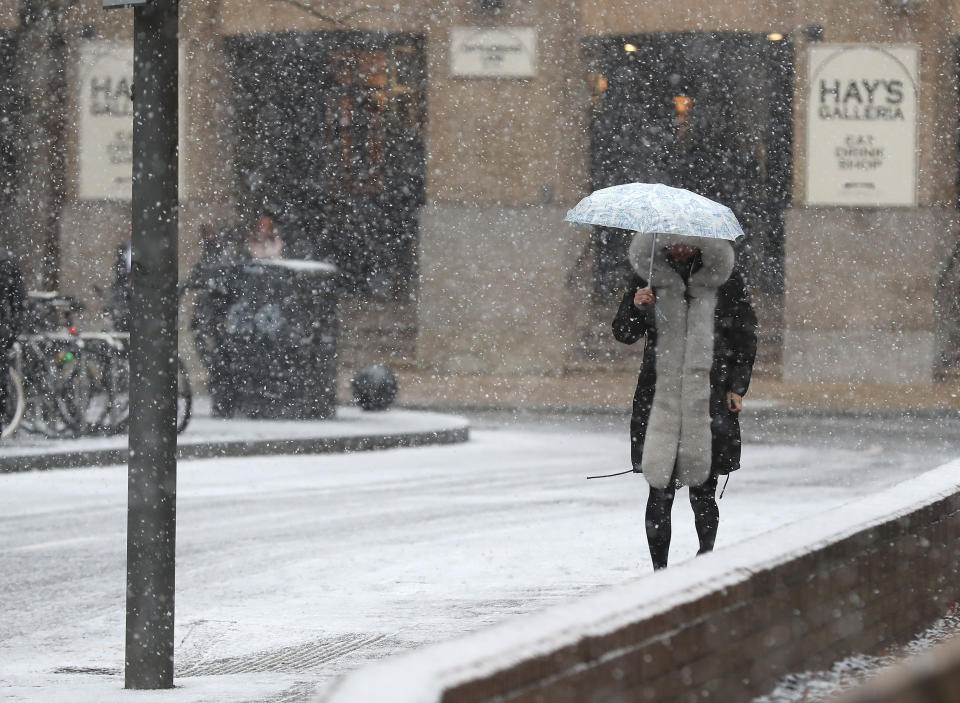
pixel 12 297
pixel 214 278
pixel 119 303
pixel 264 241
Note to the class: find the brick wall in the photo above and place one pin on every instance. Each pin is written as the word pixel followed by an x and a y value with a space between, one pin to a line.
pixel 723 627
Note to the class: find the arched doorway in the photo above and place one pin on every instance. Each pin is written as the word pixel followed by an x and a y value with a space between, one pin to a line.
pixel 9 127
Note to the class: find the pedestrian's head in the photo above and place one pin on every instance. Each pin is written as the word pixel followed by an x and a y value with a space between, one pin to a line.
pixel 682 252
pixel 265 225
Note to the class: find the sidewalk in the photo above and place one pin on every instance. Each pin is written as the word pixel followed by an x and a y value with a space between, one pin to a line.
pixel 613 392
pixel 424 397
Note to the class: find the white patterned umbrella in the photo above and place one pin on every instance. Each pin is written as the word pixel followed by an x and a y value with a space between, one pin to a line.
pixel 657 209
pixel 654 207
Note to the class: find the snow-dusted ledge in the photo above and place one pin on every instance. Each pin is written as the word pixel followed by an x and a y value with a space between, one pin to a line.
pixel 727 625
pixel 351 429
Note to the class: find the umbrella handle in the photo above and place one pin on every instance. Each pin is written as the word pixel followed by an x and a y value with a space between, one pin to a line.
pixel 653 250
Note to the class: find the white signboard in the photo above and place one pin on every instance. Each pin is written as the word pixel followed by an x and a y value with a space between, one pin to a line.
pixel 862 125
pixel 493 53
pixel 104 83
pixel 106 120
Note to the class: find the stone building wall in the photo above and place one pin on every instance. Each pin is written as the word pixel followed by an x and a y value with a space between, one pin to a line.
pixel 841 322
pixel 503 286
pixel 8 16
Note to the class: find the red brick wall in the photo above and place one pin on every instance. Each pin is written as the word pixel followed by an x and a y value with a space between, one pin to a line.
pixel 860 594
pixel 889 572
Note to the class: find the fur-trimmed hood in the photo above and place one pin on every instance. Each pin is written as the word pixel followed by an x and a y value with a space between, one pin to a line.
pixel 717 256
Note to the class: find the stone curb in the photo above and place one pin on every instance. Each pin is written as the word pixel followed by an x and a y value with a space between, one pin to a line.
pixel 207 450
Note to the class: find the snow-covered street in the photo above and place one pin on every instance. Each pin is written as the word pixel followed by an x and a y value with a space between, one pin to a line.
pixel 292 570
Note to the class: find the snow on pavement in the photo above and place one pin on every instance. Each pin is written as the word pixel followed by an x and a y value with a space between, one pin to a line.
pixel 292 570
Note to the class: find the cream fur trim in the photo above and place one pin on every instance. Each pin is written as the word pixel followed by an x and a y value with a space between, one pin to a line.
pixel 678 441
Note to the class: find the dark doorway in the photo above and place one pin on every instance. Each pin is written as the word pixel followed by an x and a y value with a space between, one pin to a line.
pixel 710 112
pixel 9 127
pixel 329 129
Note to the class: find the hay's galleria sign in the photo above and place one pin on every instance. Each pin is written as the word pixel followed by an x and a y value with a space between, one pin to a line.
pixel 861 100
pixel 104 80
pixel 861 125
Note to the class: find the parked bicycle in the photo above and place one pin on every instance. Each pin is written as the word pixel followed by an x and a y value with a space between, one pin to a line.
pixel 68 383
pixel 40 359
pixel 15 405
pixel 100 383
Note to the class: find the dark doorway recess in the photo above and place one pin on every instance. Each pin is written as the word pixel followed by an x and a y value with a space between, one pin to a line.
pixel 9 128
pixel 711 112
pixel 329 137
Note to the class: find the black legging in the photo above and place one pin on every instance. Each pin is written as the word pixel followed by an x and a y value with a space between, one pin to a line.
pixel 706 516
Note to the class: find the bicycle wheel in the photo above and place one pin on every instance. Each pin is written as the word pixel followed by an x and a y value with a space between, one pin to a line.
pixel 80 387
pixel 48 410
pixel 114 380
pixel 13 412
pixel 95 386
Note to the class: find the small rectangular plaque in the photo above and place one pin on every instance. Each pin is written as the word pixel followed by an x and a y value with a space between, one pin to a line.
pixel 494 53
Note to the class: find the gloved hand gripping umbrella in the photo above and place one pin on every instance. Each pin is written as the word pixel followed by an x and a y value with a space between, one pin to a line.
pixel 653 208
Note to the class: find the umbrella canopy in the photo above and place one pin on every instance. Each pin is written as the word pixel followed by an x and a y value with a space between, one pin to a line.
pixel 656 208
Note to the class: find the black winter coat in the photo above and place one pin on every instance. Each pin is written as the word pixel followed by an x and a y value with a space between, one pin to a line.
pixel 734 350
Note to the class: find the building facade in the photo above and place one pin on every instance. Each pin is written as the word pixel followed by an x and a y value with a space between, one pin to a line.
pixel 431 149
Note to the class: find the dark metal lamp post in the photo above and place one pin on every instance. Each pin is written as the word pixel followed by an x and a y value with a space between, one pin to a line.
pixel 152 466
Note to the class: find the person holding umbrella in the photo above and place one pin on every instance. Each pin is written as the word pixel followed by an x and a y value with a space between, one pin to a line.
pixel 695 314
pixel 696 369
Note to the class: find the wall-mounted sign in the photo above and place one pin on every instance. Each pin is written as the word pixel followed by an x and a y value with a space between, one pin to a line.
pixel 493 53
pixel 104 84
pixel 104 81
pixel 862 125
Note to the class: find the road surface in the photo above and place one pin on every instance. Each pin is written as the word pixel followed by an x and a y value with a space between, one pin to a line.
pixel 292 570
